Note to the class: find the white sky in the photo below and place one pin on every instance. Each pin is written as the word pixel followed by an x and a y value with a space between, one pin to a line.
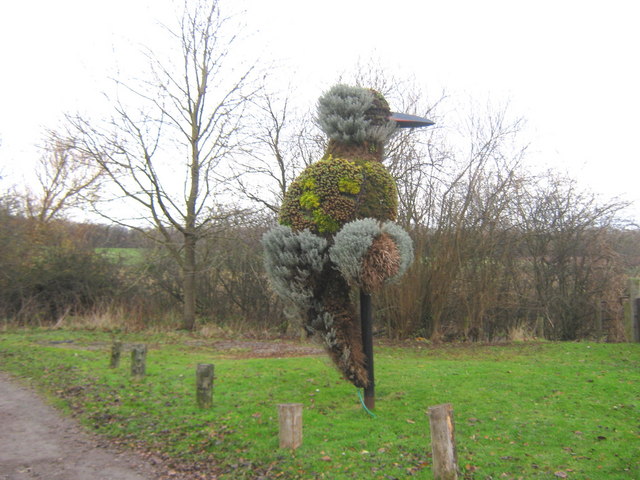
pixel 571 68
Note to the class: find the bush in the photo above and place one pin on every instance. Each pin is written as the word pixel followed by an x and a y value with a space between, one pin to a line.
pixel 47 273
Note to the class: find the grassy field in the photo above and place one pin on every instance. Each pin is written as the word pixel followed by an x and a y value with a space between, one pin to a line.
pixel 522 411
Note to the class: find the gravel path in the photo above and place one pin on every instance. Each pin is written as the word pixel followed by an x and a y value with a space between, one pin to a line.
pixel 36 441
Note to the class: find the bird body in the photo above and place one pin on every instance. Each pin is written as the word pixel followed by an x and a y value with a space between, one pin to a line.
pixel 336 226
pixel 335 191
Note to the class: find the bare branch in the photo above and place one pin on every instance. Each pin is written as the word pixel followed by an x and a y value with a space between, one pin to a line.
pixel 179 125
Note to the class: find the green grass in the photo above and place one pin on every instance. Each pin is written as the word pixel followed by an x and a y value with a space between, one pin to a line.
pixel 522 411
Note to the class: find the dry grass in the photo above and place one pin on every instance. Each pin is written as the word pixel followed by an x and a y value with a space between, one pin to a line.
pixel 520 333
pixel 111 317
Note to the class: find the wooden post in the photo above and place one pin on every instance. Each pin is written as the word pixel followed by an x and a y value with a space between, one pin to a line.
pixel 443 443
pixel 116 352
pixel 366 322
pixel 290 418
pixel 204 384
pixel 138 361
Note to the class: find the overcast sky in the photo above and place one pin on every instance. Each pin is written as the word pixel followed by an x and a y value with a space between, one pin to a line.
pixel 570 68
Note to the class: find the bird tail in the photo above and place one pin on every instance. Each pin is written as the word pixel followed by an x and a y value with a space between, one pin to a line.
pixel 334 323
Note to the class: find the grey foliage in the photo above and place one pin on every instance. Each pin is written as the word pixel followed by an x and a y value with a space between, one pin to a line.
pixel 319 319
pixel 351 244
pixel 353 241
pixel 342 115
pixel 291 259
pixel 405 247
pixel 327 326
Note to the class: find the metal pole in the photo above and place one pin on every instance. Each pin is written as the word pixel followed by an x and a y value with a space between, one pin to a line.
pixel 366 322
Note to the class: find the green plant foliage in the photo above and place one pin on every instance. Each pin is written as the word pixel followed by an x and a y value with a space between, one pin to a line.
pixel 347 185
pixel 325 222
pixel 379 197
pixel 309 200
pixel 335 191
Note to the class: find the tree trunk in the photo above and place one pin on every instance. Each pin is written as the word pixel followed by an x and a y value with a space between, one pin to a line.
pixel 189 283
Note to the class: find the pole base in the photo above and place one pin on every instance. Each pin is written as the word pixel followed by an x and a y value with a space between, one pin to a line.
pixel 369 401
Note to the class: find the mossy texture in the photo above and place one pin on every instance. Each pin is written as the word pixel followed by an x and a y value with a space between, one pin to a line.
pixel 335 191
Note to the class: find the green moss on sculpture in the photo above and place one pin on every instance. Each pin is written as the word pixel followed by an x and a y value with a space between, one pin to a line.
pixel 348 185
pixel 309 200
pixel 335 191
pixel 378 197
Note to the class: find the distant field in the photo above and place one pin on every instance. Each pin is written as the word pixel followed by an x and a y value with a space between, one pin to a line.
pixel 523 411
pixel 128 256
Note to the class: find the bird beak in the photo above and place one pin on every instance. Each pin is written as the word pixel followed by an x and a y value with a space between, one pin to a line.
pixel 404 120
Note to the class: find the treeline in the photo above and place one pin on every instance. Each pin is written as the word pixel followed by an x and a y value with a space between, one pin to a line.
pixel 481 276
pixel 58 272
pixel 537 258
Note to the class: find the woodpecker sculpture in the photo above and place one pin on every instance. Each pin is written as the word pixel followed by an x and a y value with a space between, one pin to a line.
pixel 337 227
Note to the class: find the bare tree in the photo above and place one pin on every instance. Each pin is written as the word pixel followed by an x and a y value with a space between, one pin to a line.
pixel 567 235
pixel 457 198
pixel 65 179
pixel 178 127
pixel 283 143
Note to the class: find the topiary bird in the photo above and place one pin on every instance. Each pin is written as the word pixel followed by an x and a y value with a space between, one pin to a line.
pixel 336 227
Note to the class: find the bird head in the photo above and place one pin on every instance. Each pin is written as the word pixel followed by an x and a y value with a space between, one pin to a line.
pixel 358 120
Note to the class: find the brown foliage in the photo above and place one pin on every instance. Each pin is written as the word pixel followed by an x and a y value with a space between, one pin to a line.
pixel 381 262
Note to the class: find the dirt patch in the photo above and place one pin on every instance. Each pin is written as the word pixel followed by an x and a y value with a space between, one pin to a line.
pixel 231 348
pixel 264 349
